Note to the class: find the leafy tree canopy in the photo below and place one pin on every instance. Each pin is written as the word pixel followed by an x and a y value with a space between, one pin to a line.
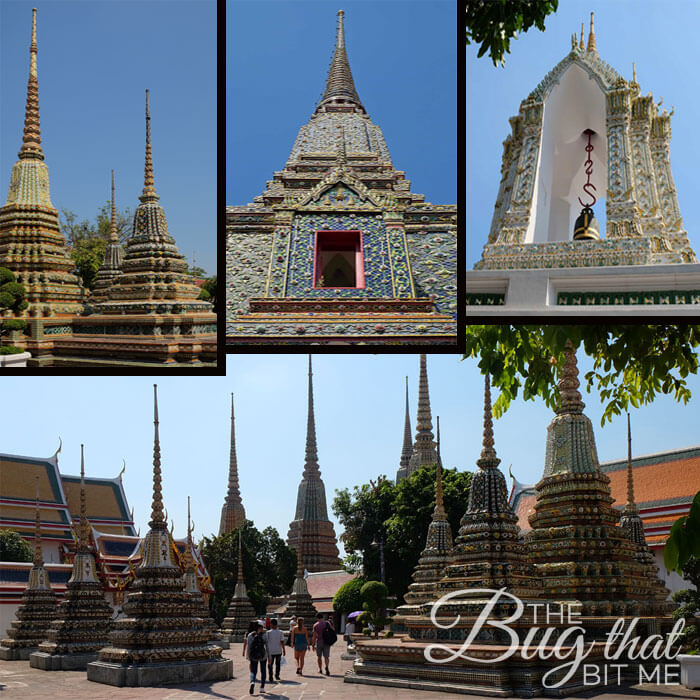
pixel 347 598
pixel 13 295
pixel 13 547
pixel 209 291
pixel 683 543
pixel 400 515
pixel 631 363
pixel 493 23
pixel 269 566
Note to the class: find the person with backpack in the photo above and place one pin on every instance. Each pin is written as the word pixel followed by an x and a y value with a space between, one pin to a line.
pixel 300 643
pixel 324 638
pixel 256 651
pixel 275 645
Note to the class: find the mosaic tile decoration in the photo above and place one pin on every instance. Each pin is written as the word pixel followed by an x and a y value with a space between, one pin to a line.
pixel 690 296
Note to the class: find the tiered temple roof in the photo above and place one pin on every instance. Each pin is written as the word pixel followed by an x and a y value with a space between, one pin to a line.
pixel 84 618
pixel 311 533
pixel 159 640
pixel 232 512
pixel 31 243
pixel 38 605
pixel 111 265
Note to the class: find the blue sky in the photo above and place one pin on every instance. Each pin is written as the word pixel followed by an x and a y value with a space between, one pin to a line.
pixel 659 37
pixel 403 60
pixel 359 417
pixel 95 61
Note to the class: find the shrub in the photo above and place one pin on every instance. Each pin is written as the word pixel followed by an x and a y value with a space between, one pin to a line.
pixel 348 597
pixel 13 547
pixel 14 324
pixel 6 276
pixel 10 350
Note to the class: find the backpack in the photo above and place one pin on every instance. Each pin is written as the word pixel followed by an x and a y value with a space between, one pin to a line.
pixel 257 648
pixel 329 635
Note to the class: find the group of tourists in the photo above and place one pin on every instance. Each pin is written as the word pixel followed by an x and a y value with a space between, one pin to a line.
pixel 265 648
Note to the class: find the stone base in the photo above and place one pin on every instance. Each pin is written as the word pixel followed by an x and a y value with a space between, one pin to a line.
pixel 223 642
pixel 61 662
pixel 16 654
pixel 18 360
pixel 138 675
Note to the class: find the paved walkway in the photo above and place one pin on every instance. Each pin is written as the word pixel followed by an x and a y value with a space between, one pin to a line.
pixel 19 680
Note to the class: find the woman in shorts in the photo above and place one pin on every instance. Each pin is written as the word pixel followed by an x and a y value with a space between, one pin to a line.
pixel 300 643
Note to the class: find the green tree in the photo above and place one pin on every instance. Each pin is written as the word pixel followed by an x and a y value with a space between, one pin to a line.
pixel 13 547
pixel 689 605
pixel 209 291
pixel 13 295
pixel 401 514
pixel 493 23
pixel 347 598
pixel 632 364
pixel 269 567
pixel 88 254
pixel 374 595
pixel 683 543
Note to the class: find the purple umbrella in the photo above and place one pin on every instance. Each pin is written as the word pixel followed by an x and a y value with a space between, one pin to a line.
pixel 355 614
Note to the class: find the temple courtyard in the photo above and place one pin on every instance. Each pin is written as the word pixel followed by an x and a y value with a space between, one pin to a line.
pixel 18 680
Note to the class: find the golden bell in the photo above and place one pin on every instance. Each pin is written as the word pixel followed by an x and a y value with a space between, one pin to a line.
pixel 586 226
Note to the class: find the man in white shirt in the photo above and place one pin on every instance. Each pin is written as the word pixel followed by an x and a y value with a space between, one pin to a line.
pixel 275 645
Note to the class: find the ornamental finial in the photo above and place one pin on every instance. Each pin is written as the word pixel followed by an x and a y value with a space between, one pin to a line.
pixel 634 73
pixel 149 190
pixel 569 396
pixel 591 37
pixel 239 577
pixel 188 559
pixel 488 458
pixel 630 479
pixel 38 559
pixel 311 462
pixel 581 45
pixel 157 518
pixel 340 36
pixel 31 139
pixel 439 505
pixel 113 221
pixel 83 525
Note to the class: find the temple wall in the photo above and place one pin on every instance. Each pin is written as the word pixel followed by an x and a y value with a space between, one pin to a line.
pixel 433 258
pixel 247 263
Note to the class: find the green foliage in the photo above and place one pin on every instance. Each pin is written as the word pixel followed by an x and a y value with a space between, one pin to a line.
pixel 689 606
pixel 493 23
pixel 13 295
pixel 401 514
pixel 13 547
pixel 10 350
pixel 374 595
pixel 347 598
pixel 631 363
pixel 683 541
pixel 14 324
pixel 88 255
pixel 352 563
pixel 269 566
pixel 209 287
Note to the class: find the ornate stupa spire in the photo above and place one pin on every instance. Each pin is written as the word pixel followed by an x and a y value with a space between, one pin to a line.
pixel 424 452
pixel 240 611
pixel 488 459
pixel 630 519
pixel 340 87
pixel 300 602
pixel 407 447
pixel 232 512
pixel 110 268
pixel 31 243
pixel 591 37
pixel 581 44
pixel 84 618
pixel 437 552
pixel 159 630
pixel 311 533
pixel 154 278
pixel 38 606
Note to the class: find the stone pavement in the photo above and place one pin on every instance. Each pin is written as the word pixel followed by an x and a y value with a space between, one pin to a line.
pixel 18 680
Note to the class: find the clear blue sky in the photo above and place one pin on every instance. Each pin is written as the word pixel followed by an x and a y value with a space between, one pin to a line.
pixel 359 417
pixel 660 37
pixel 95 61
pixel 403 60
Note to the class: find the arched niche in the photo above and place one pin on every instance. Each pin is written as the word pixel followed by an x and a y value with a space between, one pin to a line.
pixel 575 103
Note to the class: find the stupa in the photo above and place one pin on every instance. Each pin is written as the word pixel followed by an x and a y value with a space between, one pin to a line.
pixel 240 612
pixel 111 265
pixel 232 512
pixel 337 248
pixel 159 640
pixel 586 133
pixel 300 603
pixel 407 446
pixel 311 533
pixel 84 618
pixel 199 606
pixel 151 310
pixel 576 543
pixel 31 243
pixel 437 553
pixel 38 607
pixel 423 452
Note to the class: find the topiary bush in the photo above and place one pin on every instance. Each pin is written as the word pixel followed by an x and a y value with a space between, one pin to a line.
pixel 13 295
pixel 14 324
pixel 10 350
pixel 348 598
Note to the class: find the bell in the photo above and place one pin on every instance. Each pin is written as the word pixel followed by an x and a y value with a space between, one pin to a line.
pixel 586 226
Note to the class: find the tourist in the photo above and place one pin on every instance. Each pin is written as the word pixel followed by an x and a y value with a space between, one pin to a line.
pixel 252 626
pixel 292 625
pixel 257 654
pixel 299 637
pixel 349 629
pixel 323 638
pixel 275 646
